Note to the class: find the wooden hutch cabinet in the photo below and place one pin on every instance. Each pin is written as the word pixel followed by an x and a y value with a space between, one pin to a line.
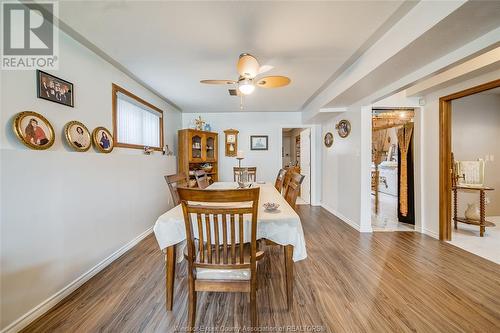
pixel 197 149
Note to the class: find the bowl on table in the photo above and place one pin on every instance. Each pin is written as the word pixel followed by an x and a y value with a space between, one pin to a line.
pixel 271 206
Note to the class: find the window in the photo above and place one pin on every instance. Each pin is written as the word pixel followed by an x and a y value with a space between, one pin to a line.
pixel 136 123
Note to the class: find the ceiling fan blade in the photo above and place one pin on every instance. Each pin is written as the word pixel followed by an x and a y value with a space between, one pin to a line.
pixel 218 81
pixel 273 81
pixel 265 68
pixel 248 66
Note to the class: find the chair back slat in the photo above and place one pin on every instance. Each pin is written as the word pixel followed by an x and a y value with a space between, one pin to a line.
pixel 216 238
pixel 251 171
pixel 201 179
pixel 175 181
pixel 212 216
pixel 200 238
pixel 242 241
pixel 209 238
pixel 278 184
pixel 224 239
pixel 233 241
pixel 293 188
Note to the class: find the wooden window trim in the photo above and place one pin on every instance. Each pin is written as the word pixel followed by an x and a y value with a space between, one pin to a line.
pixel 445 167
pixel 116 89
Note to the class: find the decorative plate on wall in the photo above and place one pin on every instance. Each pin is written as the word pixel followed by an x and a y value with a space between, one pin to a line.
pixel 328 139
pixel 78 136
pixel 33 130
pixel 103 140
pixel 343 128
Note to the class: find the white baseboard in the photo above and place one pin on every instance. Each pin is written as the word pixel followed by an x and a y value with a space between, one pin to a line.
pixel 430 233
pixel 347 220
pixel 50 302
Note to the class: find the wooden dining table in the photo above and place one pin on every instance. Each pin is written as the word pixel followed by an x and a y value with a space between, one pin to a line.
pixel 282 227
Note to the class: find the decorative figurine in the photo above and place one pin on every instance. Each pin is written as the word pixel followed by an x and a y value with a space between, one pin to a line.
pixel 200 123
pixel 166 151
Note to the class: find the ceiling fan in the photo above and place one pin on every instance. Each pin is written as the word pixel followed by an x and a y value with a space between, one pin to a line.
pixel 248 69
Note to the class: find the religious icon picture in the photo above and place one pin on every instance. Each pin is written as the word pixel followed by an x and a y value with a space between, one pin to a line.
pixel 77 136
pixel 102 139
pixel 33 130
pixel 344 128
pixel 328 139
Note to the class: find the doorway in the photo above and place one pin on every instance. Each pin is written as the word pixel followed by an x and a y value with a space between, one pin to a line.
pixel 392 172
pixel 296 153
pixel 474 208
pixel 445 155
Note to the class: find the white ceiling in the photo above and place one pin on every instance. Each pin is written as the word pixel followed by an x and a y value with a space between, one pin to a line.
pixel 171 46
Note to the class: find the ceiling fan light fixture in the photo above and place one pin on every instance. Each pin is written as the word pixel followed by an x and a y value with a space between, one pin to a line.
pixel 246 86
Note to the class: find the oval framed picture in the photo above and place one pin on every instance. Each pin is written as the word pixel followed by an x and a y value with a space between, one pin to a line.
pixel 78 136
pixel 33 130
pixel 344 128
pixel 103 140
pixel 328 139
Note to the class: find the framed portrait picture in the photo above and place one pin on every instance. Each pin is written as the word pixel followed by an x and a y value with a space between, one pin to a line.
pixel 259 142
pixel 33 130
pixel 54 89
pixel 344 128
pixel 78 136
pixel 102 139
pixel 328 139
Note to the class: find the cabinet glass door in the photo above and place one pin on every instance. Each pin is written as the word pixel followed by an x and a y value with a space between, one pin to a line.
pixel 195 148
pixel 211 147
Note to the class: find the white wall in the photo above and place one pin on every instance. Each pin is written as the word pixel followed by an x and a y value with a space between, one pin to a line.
pixel 475 134
pixel 268 162
pixel 341 169
pixel 63 212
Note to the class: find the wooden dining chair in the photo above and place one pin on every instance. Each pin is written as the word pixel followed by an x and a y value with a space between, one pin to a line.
pixel 251 171
pixel 288 177
pixel 293 188
pixel 222 256
pixel 278 184
pixel 201 179
pixel 175 181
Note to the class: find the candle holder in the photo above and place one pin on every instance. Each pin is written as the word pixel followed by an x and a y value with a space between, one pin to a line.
pixel 240 157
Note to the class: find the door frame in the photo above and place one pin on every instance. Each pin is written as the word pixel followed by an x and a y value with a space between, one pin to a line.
pixel 445 167
pixel 301 159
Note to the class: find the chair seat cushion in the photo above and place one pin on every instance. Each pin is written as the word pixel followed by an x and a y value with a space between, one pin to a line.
pixel 222 274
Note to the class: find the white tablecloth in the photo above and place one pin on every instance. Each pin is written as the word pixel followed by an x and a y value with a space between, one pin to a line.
pixel 282 227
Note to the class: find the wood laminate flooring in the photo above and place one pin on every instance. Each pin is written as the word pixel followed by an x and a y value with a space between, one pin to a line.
pixel 350 282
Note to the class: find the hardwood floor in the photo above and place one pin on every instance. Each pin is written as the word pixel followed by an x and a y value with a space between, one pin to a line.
pixel 350 282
